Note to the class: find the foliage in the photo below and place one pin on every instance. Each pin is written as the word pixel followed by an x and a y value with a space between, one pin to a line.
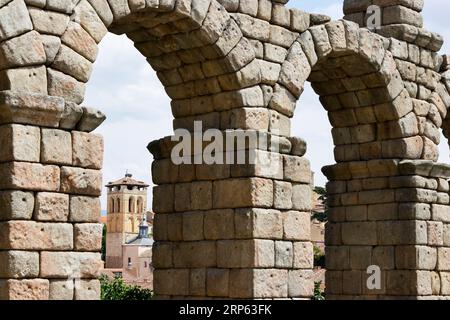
pixel 116 289
pixel 319 257
pixel 318 294
pixel 317 215
pixel 104 243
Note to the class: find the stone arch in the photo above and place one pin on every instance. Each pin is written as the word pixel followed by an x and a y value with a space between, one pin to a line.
pixel 221 231
pixel 359 85
pixel 193 45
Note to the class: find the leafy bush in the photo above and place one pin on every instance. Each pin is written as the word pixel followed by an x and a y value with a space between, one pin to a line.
pixel 318 294
pixel 116 289
pixel 319 257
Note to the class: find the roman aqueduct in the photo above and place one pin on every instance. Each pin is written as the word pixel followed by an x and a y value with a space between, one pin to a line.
pixel 221 231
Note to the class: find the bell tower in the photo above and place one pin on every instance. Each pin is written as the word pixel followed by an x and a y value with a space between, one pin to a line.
pixel 127 202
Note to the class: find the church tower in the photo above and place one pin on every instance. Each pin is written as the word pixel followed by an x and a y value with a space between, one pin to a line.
pixel 127 202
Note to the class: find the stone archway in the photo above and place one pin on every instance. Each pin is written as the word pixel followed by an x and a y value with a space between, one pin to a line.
pixel 50 169
pixel 239 231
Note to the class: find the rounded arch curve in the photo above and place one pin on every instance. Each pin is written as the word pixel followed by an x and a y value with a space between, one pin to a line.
pixel 356 77
pixel 195 47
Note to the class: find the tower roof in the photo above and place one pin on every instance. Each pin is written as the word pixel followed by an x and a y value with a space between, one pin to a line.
pixel 127 181
pixel 142 239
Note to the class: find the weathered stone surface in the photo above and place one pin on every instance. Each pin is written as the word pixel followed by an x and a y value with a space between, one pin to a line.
pixel 25 79
pixel 19 264
pixel 258 223
pixel 51 207
pixel 19 143
pixel 31 235
pixel 15 19
pixel 231 194
pixel 70 264
pixel 87 289
pixel 64 86
pixel 56 147
pixel 87 150
pixel 84 209
pixel 16 205
pixel 81 181
pixel 30 289
pixel 61 289
pixel 24 50
pixel 88 236
pixel 29 176
pixel 30 108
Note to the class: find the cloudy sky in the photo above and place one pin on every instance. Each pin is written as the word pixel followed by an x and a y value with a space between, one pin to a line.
pixel 125 87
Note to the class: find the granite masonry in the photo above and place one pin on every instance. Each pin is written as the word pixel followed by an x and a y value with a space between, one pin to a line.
pixel 230 230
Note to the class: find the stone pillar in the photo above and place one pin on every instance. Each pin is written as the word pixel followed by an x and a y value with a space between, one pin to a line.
pixel 50 181
pixel 394 215
pixel 233 231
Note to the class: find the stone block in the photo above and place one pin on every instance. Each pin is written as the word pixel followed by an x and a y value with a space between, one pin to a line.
pixel 201 195
pixel 88 236
pixel 300 283
pixel 56 265
pixel 296 225
pixel 245 254
pixel 415 257
pixel 359 233
pixel 435 233
pixel 301 197
pixel 51 207
pixel 87 289
pixel 282 195
pixel 402 232
pixel 87 150
pixel 81 181
pixel 284 254
pixel 197 282
pixel 217 281
pixel 16 205
pixel 84 209
pixel 443 260
pixel 29 176
pixel 219 225
pixel 19 143
pixel 270 283
pixel 245 192
pixel 19 264
pixel 56 147
pixel 61 289
pixel 303 255
pixel 31 235
pixel 171 281
pixel 258 223
pixel 193 226
pixel 28 289
pixel 197 254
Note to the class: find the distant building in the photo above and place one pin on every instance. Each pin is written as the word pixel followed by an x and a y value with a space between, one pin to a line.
pixel 127 203
pixel 317 227
pixel 137 258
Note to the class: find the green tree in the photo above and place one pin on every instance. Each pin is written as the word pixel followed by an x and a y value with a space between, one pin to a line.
pixel 318 294
pixel 318 215
pixel 104 243
pixel 319 257
pixel 116 289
